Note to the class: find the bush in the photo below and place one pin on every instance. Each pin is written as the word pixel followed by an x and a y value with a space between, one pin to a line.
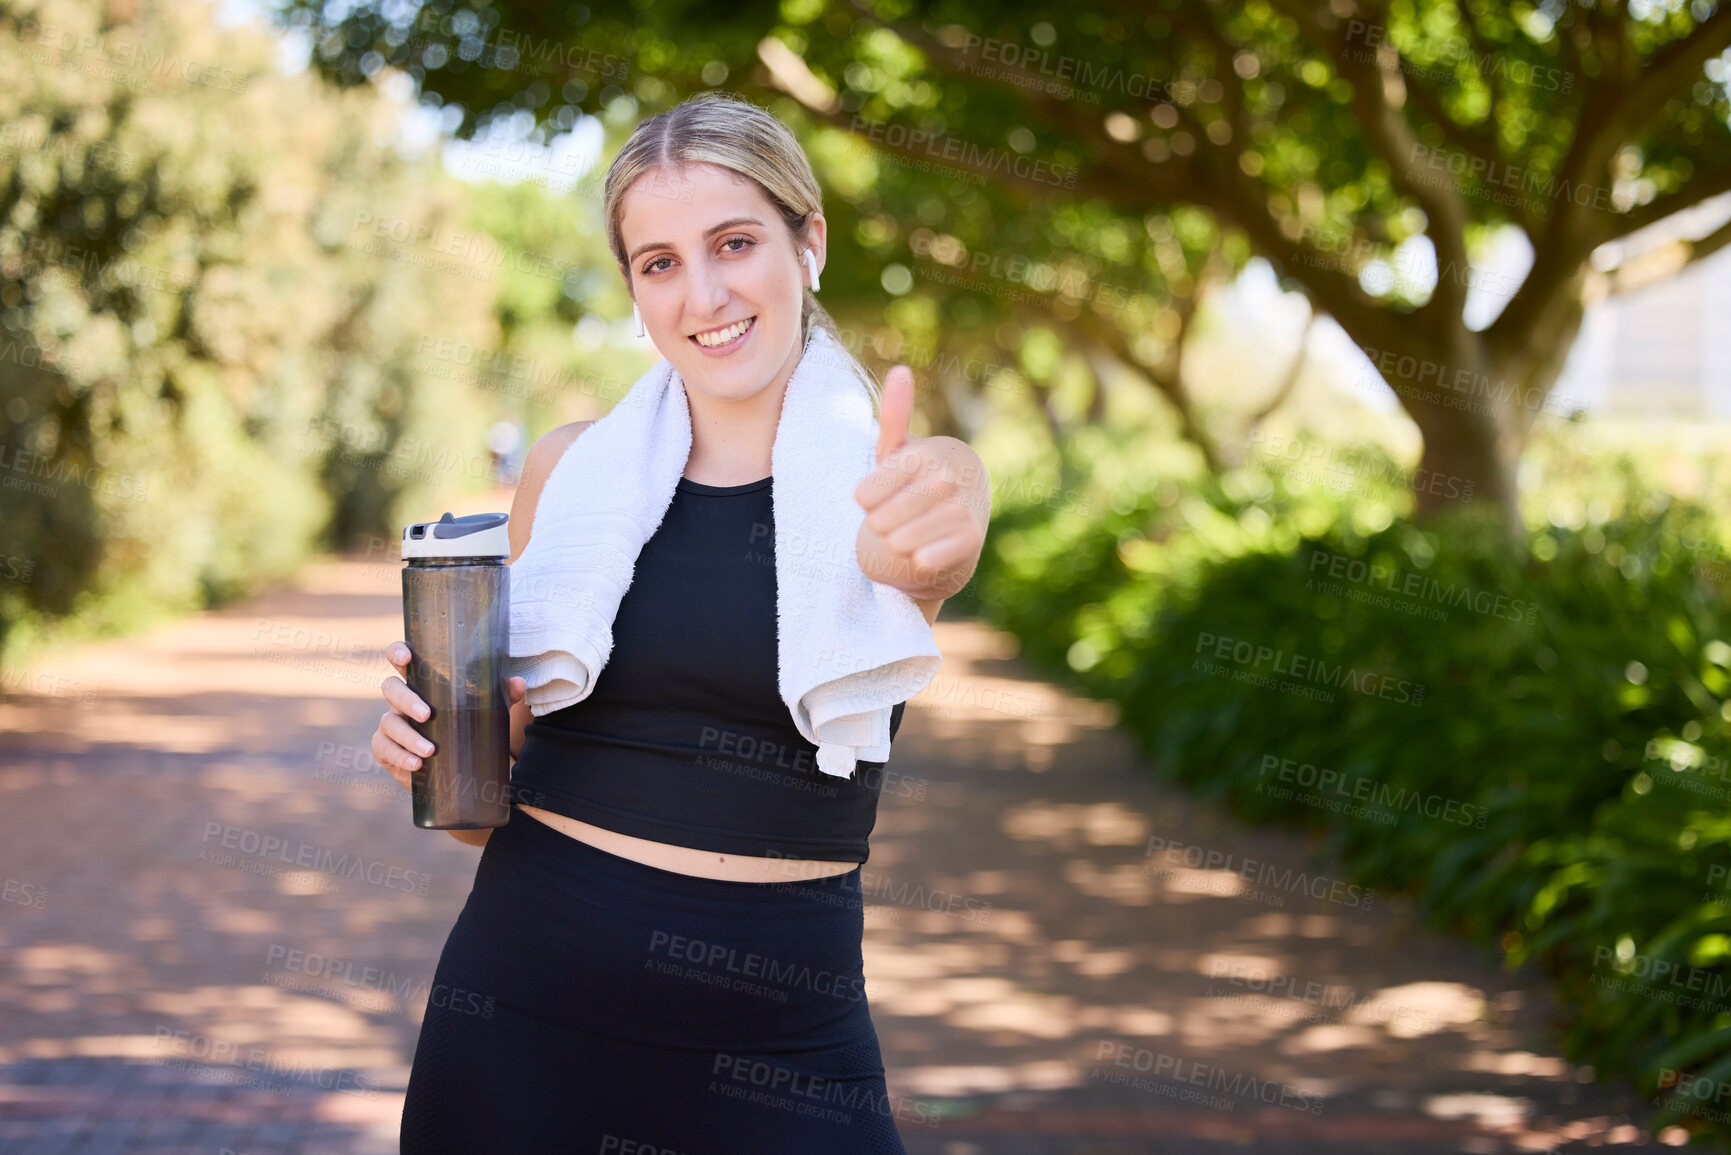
pixel 1537 748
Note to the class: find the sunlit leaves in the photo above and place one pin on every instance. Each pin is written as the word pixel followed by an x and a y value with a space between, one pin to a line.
pixel 235 367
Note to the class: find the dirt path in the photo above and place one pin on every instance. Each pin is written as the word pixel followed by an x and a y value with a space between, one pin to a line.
pixel 186 964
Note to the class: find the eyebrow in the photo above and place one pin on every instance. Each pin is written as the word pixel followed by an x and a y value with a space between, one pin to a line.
pixel 732 222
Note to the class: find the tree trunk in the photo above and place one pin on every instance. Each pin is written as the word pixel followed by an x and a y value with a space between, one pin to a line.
pixel 1538 362
pixel 1460 402
pixel 1465 460
pixel 1476 412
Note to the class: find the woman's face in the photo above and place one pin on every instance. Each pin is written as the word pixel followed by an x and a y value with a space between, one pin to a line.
pixel 707 255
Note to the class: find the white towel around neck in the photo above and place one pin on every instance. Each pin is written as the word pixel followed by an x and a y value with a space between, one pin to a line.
pixel 849 648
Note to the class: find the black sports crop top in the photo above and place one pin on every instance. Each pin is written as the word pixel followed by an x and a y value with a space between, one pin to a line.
pixel 685 738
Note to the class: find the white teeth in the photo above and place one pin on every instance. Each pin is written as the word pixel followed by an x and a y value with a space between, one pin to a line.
pixel 723 336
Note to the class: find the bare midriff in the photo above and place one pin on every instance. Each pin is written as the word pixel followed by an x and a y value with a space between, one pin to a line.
pixel 688 859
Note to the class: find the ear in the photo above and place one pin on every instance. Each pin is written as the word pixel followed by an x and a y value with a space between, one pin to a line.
pixel 817 237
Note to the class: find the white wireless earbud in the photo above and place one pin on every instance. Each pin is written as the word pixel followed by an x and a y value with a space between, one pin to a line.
pixel 811 265
pixel 638 317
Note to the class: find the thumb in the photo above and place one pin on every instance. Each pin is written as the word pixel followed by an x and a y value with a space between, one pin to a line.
pixel 895 411
pixel 517 688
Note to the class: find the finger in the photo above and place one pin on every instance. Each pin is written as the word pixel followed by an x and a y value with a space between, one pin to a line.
pixel 517 689
pixel 399 762
pixel 945 554
pixel 397 729
pixel 934 540
pixel 895 412
pixel 899 471
pixel 397 653
pixel 404 778
pixel 401 777
pixel 899 500
pixel 403 699
pixel 880 485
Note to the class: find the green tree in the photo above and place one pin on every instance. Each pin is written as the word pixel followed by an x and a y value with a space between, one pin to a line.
pixel 208 333
pixel 1323 136
pixel 554 361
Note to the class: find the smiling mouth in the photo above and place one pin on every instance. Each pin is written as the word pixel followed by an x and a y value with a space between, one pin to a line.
pixel 727 337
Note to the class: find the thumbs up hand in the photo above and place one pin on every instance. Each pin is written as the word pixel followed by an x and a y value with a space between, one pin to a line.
pixel 927 503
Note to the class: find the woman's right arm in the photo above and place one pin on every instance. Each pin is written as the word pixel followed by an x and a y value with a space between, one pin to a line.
pixel 542 457
pixel 397 745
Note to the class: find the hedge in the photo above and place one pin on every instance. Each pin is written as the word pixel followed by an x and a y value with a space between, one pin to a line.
pixel 1534 745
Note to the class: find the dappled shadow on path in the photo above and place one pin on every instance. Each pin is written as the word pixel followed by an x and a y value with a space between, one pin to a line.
pixel 209 885
pixel 1058 935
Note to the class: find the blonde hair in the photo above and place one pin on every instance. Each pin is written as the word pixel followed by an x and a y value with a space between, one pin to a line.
pixel 726 130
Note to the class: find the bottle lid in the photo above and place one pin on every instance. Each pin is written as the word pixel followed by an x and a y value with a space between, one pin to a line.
pixel 479 535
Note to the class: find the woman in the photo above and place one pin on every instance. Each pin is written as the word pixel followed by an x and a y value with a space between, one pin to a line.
pixel 662 951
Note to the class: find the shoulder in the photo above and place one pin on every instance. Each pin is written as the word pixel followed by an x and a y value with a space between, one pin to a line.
pixel 541 459
pixel 551 445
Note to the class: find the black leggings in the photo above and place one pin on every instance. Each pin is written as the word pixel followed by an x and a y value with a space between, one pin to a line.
pixel 586 1002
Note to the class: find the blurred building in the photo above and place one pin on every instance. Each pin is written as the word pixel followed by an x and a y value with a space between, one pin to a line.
pixel 1662 351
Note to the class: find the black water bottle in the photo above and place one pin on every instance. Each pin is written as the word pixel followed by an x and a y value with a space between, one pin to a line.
pixel 457 624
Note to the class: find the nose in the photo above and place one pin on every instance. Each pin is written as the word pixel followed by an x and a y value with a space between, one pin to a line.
pixel 705 293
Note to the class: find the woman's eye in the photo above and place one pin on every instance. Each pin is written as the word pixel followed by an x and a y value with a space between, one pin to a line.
pixel 746 241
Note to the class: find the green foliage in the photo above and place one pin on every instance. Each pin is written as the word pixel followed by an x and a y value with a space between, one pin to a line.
pixel 208 369
pixel 553 270
pixel 1265 127
pixel 1538 748
pixel 980 251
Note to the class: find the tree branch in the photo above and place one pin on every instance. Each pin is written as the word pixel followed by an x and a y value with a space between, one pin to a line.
pixel 1665 260
pixel 1132 185
pixel 1472 140
pixel 1675 67
pixel 1486 50
pixel 1617 108
pixel 1607 119
pixel 1134 178
pixel 1446 213
pixel 1693 191
pixel 1706 246
pixel 1243 201
pixel 1378 97
pixel 1169 384
pixel 833 115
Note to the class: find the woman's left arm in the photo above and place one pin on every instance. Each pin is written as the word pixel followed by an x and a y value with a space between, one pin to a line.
pixel 927 505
